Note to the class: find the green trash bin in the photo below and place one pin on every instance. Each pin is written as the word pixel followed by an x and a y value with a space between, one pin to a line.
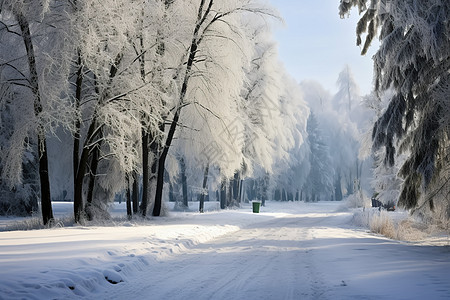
pixel 256 206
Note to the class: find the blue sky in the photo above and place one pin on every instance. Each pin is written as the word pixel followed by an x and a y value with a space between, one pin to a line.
pixel 314 43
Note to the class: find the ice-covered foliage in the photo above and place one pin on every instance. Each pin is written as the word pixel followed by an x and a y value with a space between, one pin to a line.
pixel 211 130
pixel 386 181
pixel 292 169
pixel 118 74
pixel 28 63
pixel 342 119
pixel 348 94
pixel 252 132
pixel 413 60
pixel 274 113
pixel 319 183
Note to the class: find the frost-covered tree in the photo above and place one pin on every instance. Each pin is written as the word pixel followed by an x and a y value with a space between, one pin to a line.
pixel 22 198
pixel 291 170
pixel 413 60
pixel 355 118
pixel 99 53
pixel 118 95
pixel 216 33
pixel 28 66
pixel 319 183
pixel 348 94
pixel 274 113
pixel 127 86
pixel 386 182
pixel 342 128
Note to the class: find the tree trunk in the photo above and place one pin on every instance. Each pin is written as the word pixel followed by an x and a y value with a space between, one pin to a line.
pixel 223 194
pixel 78 182
pixel 159 188
pixel 349 183
pixel 135 194
pixel 241 190
pixel 338 188
pixel 46 204
pixel 171 193
pixel 235 187
pixel 93 172
pixel 128 192
pixel 184 182
pixel 145 177
pixel 76 135
pixel 230 194
pixel 202 196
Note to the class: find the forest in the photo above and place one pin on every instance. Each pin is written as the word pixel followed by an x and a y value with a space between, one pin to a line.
pixel 168 100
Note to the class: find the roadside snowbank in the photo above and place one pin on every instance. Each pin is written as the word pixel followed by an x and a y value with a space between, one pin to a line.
pixel 399 225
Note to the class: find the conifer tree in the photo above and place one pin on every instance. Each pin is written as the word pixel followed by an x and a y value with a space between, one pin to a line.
pixel 320 180
pixel 413 60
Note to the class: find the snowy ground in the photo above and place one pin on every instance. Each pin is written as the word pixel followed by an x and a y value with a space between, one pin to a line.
pixel 288 251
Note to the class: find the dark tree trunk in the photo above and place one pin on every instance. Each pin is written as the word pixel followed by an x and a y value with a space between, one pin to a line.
pixel 235 187
pixel 129 211
pixel 135 194
pixel 184 182
pixel 202 196
pixel 145 170
pixel 241 190
pixel 171 193
pixel 93 173
pixel 77 135
pixel 82 166
pixel 338 188
pixel 46 204
pixel 230 194
pixel 349 183
pixel 160 180
pixel 223 194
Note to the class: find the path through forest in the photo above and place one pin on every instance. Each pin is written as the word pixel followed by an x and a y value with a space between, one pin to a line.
pixel 313 254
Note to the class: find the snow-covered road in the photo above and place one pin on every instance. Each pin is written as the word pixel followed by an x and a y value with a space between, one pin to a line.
pixel 313 255
pixel 288 251
pixel 269 260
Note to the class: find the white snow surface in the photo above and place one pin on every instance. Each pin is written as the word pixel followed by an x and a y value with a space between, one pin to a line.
pixel 289 250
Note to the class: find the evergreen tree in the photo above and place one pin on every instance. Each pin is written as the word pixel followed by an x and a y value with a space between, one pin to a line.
pixel 414 60
pixel 320 180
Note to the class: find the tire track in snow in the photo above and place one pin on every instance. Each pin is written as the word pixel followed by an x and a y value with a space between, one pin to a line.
pixel 272 259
